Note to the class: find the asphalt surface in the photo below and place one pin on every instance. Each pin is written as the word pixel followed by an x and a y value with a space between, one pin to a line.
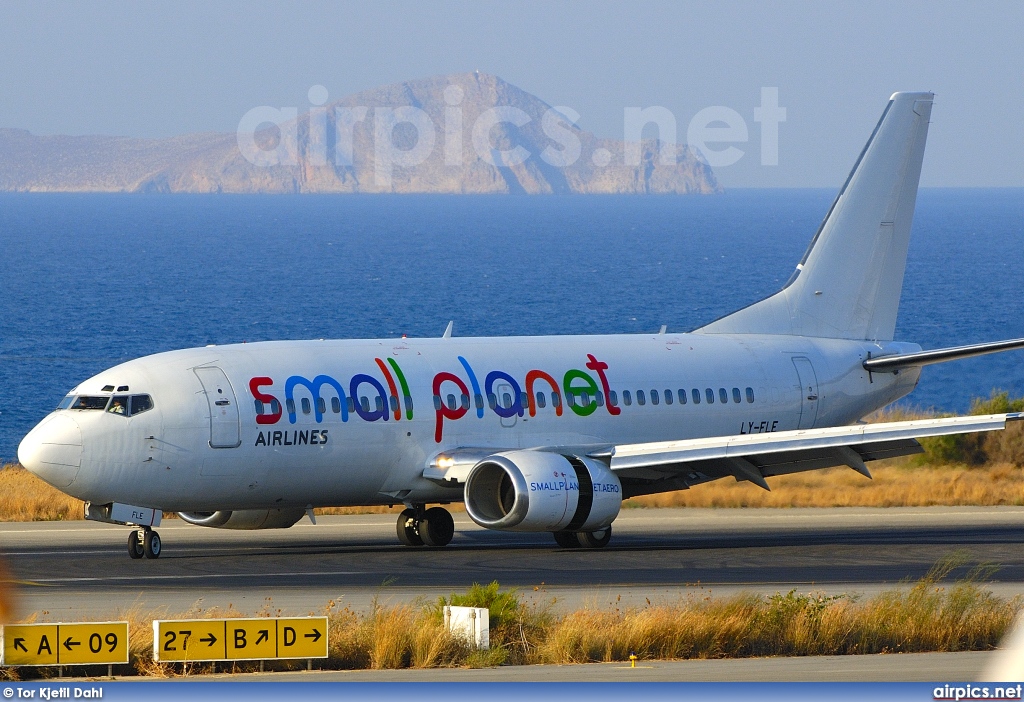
pixel 81 569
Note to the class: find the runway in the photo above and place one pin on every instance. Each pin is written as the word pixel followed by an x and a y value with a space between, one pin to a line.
pixel 80 569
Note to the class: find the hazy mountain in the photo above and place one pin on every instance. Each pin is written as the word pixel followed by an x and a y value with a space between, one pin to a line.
pixel 319 155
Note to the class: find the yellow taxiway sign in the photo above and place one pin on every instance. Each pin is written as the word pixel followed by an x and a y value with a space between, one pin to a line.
pixel 65 644
pixel 263 638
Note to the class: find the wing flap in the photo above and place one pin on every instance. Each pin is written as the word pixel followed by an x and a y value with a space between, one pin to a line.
pixel 672 465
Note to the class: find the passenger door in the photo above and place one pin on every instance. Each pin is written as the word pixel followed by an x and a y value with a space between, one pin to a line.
pixel 224 427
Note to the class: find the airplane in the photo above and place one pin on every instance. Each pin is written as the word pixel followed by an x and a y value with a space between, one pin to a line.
pixel 534 433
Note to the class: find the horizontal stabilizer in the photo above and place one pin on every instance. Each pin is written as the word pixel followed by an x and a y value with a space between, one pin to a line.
pixel 891 364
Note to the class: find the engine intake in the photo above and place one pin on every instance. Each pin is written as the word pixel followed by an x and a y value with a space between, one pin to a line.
pixel 542 491
pixel 245 518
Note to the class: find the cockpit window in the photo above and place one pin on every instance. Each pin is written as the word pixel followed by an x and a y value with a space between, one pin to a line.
pixel 90 402
pixel 140 404
pixel 66 402
pixel 118 405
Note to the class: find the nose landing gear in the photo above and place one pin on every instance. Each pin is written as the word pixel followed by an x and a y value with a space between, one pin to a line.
pixel 144 542
pixel 419 527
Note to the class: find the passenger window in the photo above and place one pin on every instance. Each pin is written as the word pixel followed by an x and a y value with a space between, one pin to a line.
pixel 86 402
pixel 556 400
pixel 394 403
pixel 506 400
pixel 307 407
pixel 479 400
pixel 696 396
pixel 571 399
pixel 352 403
pixel 585 399
pixel 336 405
pixel 321 405
pixel 655 397
pixel 613 398
pixel 524 399
pixel 540 400
pixel 750 394
pixel 290 404
pixel 723 396
pixel 710 395
pixel 465 401
pixel 66 402
pixel 641 399
pixel 259 406
pixel 451 401
pixel 275 406
pixel 378 403
pixel 668 397
pixel 437 402
pixel 408 403
pixel 140 404
pixel 736 395
pixel 627 399
pixel 492 400
pixel 682 396
pixel 118 405
pixel 599 396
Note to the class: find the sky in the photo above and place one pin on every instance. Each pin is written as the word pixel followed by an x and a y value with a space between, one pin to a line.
pixel 161 69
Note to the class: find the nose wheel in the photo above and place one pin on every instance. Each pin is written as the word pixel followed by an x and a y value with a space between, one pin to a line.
pixel 419 527
pixel 144 542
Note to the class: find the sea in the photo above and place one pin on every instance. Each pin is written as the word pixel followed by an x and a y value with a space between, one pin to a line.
pixel 91 280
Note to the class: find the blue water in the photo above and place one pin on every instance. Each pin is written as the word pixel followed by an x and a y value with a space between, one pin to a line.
pixel 93 280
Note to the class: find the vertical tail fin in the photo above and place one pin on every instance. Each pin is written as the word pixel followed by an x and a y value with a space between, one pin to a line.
pixel 848 284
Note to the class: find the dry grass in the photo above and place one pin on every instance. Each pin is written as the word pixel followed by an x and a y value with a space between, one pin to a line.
pixel 898 483
pixel 894 484
pixel 26 498
pixel 923 616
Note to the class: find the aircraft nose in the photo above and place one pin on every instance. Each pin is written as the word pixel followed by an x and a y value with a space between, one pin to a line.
pixel 53 450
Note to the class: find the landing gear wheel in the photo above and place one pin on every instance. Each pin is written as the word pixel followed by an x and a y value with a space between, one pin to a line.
pixel 437 527
pixel 566 539
pixel 135 546
pixel 595 539
pixel 408 532
pixel 151 544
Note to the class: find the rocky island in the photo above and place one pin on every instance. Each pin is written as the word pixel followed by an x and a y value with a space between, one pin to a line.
pixel 460 133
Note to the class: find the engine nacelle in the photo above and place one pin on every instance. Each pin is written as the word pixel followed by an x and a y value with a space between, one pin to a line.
pixel 245 518
pixel 542 491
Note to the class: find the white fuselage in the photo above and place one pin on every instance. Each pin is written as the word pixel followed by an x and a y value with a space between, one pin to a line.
pixel 203 447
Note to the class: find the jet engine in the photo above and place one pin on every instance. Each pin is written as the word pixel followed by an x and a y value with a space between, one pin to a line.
pixel 542 491
pixel 245 518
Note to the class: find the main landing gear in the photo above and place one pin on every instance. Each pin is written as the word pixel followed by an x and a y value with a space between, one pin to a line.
pixel 144 541
pixel 431 527
pixel 583 539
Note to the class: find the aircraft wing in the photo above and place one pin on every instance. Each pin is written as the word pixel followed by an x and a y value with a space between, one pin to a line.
pixel 674 465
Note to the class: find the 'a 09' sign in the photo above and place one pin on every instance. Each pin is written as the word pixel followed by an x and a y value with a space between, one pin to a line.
pixel 262 638
pixel 64 644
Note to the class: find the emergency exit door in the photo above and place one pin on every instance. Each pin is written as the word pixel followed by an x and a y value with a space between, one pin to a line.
pixel 808 391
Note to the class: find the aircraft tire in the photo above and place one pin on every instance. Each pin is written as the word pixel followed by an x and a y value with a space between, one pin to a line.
pixel 151 544
pixel 595 539
pixel 135 547
pixel 408 533
pixel 566 539
pixel 437 527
